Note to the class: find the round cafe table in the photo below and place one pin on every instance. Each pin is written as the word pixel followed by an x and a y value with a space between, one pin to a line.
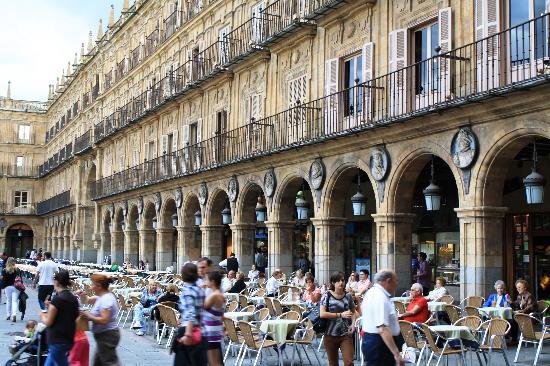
pixel 238 315
pixel 504 313
pixel 232 297
pixel 258 300
pixel 434 306
pixel 278 328
pixel 402 299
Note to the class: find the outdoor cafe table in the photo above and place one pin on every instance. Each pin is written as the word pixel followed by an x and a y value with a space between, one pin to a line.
pixel 456 335
pixel 238 315
pixel 504 313
pixel 259 300
pixel 401 299
pixel 278 328
pixel 134 294
pixel 293 302
pixel 434 306
pixel 232 297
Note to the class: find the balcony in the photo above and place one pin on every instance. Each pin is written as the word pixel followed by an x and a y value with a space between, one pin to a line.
pixel 57 202
pixel 12 170
pixel 171 24
pixel 9 209
pixel 152 42
pixel 60 157
pixel 492 66
pixel 14 137
pixel 83 143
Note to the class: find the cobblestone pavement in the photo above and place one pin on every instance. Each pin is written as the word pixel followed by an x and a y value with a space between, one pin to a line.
pixel 135 350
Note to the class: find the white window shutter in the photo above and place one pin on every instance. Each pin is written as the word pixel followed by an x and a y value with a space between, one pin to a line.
pixel 223 44
pixel 185 156
pixel 445 42
pixel 487 16
pixel 146 151
pixel 256 106
pixel 331 103
pixel 368 74
pixel 199 130
pixel 398 53
pixel 164 144
pixel 188 67
pixel 185 135
pixel 174 151
pixel 198 150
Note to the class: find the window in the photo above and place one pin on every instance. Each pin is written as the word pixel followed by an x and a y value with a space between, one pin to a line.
pixel 24 134
pixel 527 41
pixel 426 73
pixel 151 150
pixel 193 133
pixel 21 198
pixel 352 75
pixel 19 162
pixel 221 122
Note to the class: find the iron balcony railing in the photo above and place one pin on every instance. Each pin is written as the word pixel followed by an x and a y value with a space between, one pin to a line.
pixel 12 170
pixel 56 202
pixel 23 209
pixel 135 57
pixel 152 42
pixel 514 58
pixel 83 143
pixel 60 157
pixel 120 70
pixel 171 24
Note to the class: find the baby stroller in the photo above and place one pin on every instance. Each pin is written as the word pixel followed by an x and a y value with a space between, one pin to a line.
pixel 33 353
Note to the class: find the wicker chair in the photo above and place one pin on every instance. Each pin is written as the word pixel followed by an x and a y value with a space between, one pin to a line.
pixel 252 344
pixel 304 338
pixel 248 309
pixel 454 312
pixel 472 311
pixel 124 309
pixel 493 340
pixel 232 306
pixel 270 307
pixel 290 315
pixel 475 301
pixel 472 322
pixel 235 339
pixel 259 292
pixel 408 333
pixel 169 317
pixel 400 307
pixel 440 352
pixel 447 299
pixel 261 315
pixel 526 324
pixel 243 301
pixel 277 307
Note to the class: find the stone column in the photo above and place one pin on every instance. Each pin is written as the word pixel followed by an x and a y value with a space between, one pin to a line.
pixel 54 247
pixel 147 245
pixel 117 246
pixel 189 248
pixel 131 246
pixel 243 244
pixel 329 247
pixel 88 249
pixel 212 242
pixel 393 245
pixel 280 242
pixel 48 242
pixel 67 246
pixel 481 248
pixel 104 246
pixel 165 240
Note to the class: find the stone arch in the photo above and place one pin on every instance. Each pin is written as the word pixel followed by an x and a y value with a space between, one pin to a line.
pixel 131 235
pixel 217 201
pixel 148 235
pixel 90 177
pixel 19 238
pixel 132 216
pixel 167 209
pixel 190 206
pixel 246 202
pixel 117 237
pixel 282 206
pixel 189 235
pixel 217 240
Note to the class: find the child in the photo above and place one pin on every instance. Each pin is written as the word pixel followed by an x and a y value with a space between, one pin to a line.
pixel 20 342
pixel 80 353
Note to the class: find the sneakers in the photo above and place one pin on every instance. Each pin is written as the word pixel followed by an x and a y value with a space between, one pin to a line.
pixel 135 325
pixel 13 319
pixel 140 333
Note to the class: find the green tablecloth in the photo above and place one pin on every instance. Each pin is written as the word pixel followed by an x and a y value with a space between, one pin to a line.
pixel 238 315
pixel 232 297
pixel 436 306
pixel 504 313
pixel 279 328
pixel 453 332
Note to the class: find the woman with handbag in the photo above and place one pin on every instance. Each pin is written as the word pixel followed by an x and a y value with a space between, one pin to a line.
pixel 189 345
pixel 338 308
pixel 11 275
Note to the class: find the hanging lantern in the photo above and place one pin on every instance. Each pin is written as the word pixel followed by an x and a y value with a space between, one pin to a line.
pixel 432 193
pixel 198 218
pixel 226 216
pixel 137 223
pixel 19 232
pixel 534 183
pixel 302 207
pixel 155 222
pixel 359 201
pixel 261 210
pixel 175 219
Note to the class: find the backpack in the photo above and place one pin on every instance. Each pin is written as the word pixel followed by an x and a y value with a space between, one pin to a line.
pixel 319 324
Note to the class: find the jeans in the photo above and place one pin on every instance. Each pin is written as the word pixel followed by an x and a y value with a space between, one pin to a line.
pixel 58 354
pixel 139 316
pixel 43 292
pixel 12 300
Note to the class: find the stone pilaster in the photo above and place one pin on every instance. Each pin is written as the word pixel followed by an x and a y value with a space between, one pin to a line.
pixel 147 245
pixel 54 247
pixel 393 245
pixel 189 247
pixel 280 242
pixel 88 249
pixel 243 244
pixel 131 246
pixel 329 247
pixel 117 247
pixel 165 240
pixel 481 248
pixel 212 242
pixel 104 246
pixel 67 246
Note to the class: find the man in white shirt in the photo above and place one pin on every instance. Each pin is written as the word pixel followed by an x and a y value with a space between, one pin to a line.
pixel 44 276
pixel 380 322
pixel 228 281
pixel 272 285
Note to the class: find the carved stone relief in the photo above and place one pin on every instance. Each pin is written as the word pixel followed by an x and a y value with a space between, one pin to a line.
pixel 203 193
pixel 233 189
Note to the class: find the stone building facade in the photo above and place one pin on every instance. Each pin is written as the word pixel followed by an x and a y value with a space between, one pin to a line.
pixel 182 110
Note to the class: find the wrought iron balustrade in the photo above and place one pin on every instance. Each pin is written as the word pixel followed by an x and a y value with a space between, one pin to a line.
pixel 83 142
pixel 171 24
pixel 135 57
pixel 120 70
pixel 56 202
pixel 11 209
pixel 13 170
pixel 152 42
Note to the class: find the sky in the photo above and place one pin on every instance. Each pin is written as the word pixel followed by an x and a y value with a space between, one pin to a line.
pixel 39 37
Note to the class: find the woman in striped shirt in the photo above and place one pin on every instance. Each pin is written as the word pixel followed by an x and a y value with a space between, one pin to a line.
pixel 212 323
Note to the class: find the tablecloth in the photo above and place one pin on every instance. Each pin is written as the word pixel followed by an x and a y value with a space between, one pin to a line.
pixel 278 328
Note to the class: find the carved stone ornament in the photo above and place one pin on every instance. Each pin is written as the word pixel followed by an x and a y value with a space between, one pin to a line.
pixel 203 193
pixel 464 148
pixel 158 201
pixel 179 197
pixel 140 205
pixel 233 189
pixel 270 183
pixel 125 208
pixel 112 210
pixel 317 174
pixel 379 163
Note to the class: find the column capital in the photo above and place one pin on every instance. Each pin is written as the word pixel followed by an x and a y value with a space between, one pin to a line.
pixel 212 228
pixel 279 224
pixel 481 211
pixel 328 221
pixel 186 229
pixel 146 231
pixel 164 230
pixel 403 217
pixel 242 226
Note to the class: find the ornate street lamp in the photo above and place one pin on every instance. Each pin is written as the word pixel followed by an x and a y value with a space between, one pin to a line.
pixel 226 216
pixel 20 233
pixel 175 219
pixel 534 183
pixel 359 201
pixel 432 193
pixel 198 218
pixel 302 207
pixel 261 210
pixel 155 223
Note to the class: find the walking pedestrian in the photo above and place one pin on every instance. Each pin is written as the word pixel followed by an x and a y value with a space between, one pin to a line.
pixel 380 323
pixel 61 321
pixel 339 309
pixel 103 316
pixel 260 260
pixel 424 273
pixel 231 263
pixel 214 306
pixel 189 346
pixel 9 274
pixel 44 277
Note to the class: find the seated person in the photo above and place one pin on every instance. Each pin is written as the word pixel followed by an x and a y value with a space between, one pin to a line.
pixel 253 274
pixel 114 267
pixel 299 280
pixel 172 295
pixel 272 285
pixel 149 298
pixel 438 291
pixel 524 304
pixel 364 282
pixel 312 294
pixel 417 310
pixel 499 300
pixel 353 282
pixel 238 285
pixel 228 281
pixel 19 342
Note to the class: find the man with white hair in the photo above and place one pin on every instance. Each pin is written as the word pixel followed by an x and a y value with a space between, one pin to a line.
pixel 417 310
pixel 380 324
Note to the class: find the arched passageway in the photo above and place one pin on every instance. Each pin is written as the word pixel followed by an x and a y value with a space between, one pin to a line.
pixel 19 240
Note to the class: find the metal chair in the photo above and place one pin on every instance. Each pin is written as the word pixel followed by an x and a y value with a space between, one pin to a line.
pixel 408 333
pixel 169 317
pixel 440 352
pixel 252 344
pixel 400 307
pixel 243 301
pixel 472 311
pixel 447 299
pixel 232 306
pixel 526 324
pixel 235 340
pixel 475 301
pixel 493 340
pixel 454 312
pixel 290 315
pixel 248 309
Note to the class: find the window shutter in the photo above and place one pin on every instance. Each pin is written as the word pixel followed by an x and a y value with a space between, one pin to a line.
pixel 198 150
pixel 188 67
pixel 164 144
pixel 223 44
pixel 199 130
pixel 487 14
pixel 174 151
pixel 368 74
pixel 445 42
pixel 256 106
pixel 331 103
pixel 185 155
pixel 397 98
